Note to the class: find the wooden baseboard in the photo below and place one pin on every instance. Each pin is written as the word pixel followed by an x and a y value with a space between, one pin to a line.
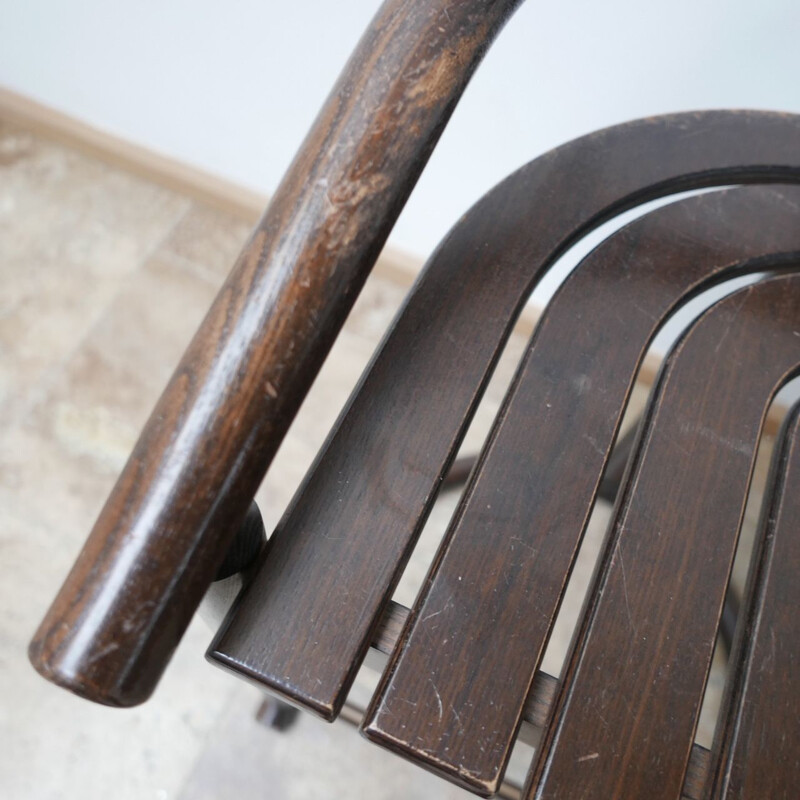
pixel 393 264
pixel 55 126
pixel 104 146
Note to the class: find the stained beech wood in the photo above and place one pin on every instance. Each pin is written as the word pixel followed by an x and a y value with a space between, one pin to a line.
pixel 537 706
pixel 624 720
pixel 304 624
pixel 490 601
pixel 202 454
pixel 757 746
pixel 532 455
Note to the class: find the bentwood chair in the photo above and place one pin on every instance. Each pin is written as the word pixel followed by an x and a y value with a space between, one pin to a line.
pixel 463 678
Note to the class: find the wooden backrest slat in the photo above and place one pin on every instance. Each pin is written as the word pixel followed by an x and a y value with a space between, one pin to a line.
pixel 757 746
pixel 540 699
pixel 623 723
pixel 453 695
pixel 305 622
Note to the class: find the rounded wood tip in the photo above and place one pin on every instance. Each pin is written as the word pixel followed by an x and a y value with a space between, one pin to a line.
pixel 79 682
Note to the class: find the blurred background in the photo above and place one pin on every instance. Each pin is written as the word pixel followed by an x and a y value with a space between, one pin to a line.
pixel 137 144
pixel 233 87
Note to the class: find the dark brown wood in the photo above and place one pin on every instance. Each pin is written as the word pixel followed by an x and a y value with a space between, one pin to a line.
pixel 535 714
pixel 202 454
pixel 490 600
pixel 353 715
pixel 538 704
pixel 757 746
pixel 305 623
pixel 623 723
pixel 609 486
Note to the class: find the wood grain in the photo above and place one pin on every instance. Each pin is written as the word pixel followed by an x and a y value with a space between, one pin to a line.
pixel 491 598
pixel 305 623
pixel 623 723
pixel 185 489
pixel 757 747
pixel 538 704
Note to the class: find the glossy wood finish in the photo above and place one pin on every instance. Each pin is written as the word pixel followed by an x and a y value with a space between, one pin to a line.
pixel 757 747
pixel 490 601
pixel 624 721
pixel 303 626
pixel 538 703
pixel 166 526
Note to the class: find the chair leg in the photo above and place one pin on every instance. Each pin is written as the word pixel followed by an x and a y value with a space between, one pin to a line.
pixel 275 714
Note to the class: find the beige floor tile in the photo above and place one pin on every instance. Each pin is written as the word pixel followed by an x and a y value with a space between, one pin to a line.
pixel 58 746
pixel 209 239
pixel 127 358
pixel 58 205
pixel 60 461
pixel 71 231
pixel 313 760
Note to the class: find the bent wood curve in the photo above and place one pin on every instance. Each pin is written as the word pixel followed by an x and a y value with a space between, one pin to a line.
pixel 297 629
pixel 624 720
pixel 504 562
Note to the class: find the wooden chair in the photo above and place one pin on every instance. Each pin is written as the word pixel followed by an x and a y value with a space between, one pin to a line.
pixel 463 672
pixel 499 577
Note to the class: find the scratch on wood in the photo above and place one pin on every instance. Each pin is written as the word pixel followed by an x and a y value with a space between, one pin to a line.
pixel 438 700
pixel 625 587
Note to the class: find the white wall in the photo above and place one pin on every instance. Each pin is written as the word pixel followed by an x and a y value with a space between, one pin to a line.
pixel 232 87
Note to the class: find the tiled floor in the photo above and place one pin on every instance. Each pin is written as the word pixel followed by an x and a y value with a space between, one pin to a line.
pixel 104 277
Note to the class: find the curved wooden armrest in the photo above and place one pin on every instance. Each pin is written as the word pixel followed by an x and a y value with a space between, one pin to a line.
pixel 169 520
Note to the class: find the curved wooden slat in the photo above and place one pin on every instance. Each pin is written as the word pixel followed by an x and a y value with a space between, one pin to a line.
pixel 304 624
pixel 757 746
pixel 489 603
pixel 624 721
pixel 168 522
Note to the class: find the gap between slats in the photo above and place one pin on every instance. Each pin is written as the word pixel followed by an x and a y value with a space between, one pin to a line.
pixel 546 685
